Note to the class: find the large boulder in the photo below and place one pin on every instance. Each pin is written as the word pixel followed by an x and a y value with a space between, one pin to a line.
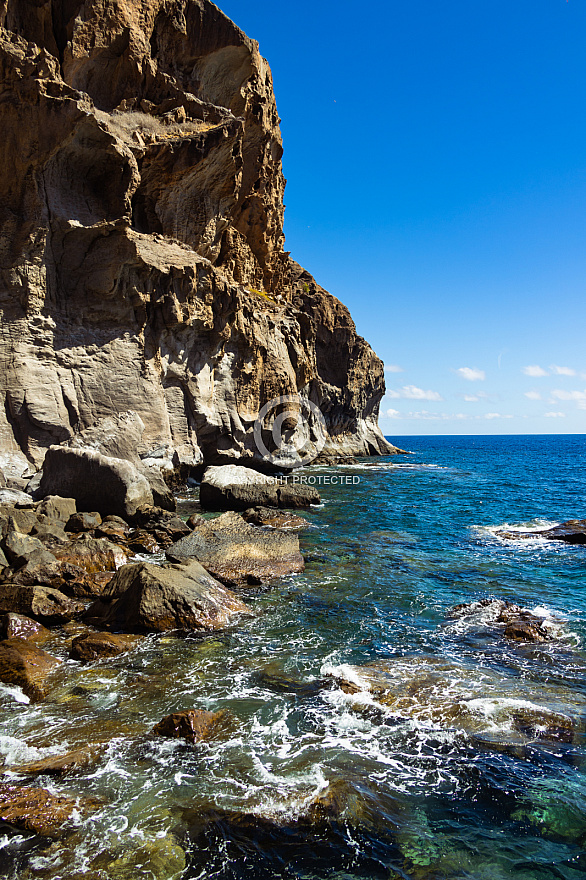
pixel 56 508
pixel 230 487
pixel 152 598
pixel 96 481
pixel 20 549
pixel 26 666
pixel 238 553
pixel 91 554
pixel 39 602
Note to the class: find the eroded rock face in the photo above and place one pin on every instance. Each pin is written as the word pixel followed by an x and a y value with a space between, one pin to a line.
pixel 142 267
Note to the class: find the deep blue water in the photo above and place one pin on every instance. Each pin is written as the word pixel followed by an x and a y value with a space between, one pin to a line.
pixel 448 751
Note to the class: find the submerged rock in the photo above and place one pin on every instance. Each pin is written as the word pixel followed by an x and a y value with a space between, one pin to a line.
pixel 195 725
pixel 37 810
pixel 95 646
pixel 26 666
pixel 237 488
pixel 152 598
pixel 495 709
pixel 238 553
pixel 507 620
pixel 60 765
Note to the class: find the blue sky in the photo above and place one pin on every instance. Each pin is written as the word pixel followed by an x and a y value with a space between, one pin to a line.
pixel 436 163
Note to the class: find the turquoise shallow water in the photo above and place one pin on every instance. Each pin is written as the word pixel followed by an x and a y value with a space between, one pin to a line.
pixel 456 775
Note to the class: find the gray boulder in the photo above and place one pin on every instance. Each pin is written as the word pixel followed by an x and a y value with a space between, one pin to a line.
pixel 15 496
pixel 238 553
pixel 232 487
pixel 153 598
pixel 20 549
pixel 96 481
pixel 56 508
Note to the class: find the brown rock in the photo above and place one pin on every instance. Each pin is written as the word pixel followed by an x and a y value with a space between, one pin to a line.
pixel 195 725
pixel 94 646
pixel 91 554
pixel 152 598
pixel 39 602
pixel 36 810
pixel 26 666
pixel 18 626
pixel 60 765
pixel 143 542
pixel 159 521
pixel 274 519
pixel 56 508
pixel 238 553
pixel 83 522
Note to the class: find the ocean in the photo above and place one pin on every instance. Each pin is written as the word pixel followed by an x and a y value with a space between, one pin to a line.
pixel 375 732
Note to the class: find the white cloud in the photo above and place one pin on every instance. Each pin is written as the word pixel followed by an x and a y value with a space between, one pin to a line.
pixel 393 368
pixel 578 396
pixel 555 415
pixel 424 415
pixel 471 374
pixel 494 416
pixel 411 392
pixel 474 398
pixel 559 394
pixel 535 371
pixel 533 395
pixel 562 371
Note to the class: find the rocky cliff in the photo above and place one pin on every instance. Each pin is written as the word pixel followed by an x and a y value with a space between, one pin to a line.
pixel 142 262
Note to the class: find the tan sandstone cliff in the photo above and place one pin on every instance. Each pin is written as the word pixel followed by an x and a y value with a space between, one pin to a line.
pixel 142 266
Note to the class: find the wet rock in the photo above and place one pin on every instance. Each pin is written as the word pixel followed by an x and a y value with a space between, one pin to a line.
pixel 275 519
pixel 97 482
pixel 275 679
pixel 493 708
pixel 114 531
pixel 159 521
pixel 572 531
pixel 26 666
pixel 230 487
pixel 506 619
pixel 92 554
pixel 60 765
pixel 38 602
pixel 194 521
pixel 18 626
pixel 95 646
pixel 152 598
pixel 56 508
pixel 236 552
pixel 159 858
pixel 83 522
pixel 195 726
pixel 143 542
pixel 20 549
pixel 36 810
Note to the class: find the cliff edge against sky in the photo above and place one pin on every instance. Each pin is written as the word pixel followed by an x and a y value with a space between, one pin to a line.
pixel 142 262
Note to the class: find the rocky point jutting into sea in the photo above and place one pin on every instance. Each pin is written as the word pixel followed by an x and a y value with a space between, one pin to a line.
pixel 142 261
